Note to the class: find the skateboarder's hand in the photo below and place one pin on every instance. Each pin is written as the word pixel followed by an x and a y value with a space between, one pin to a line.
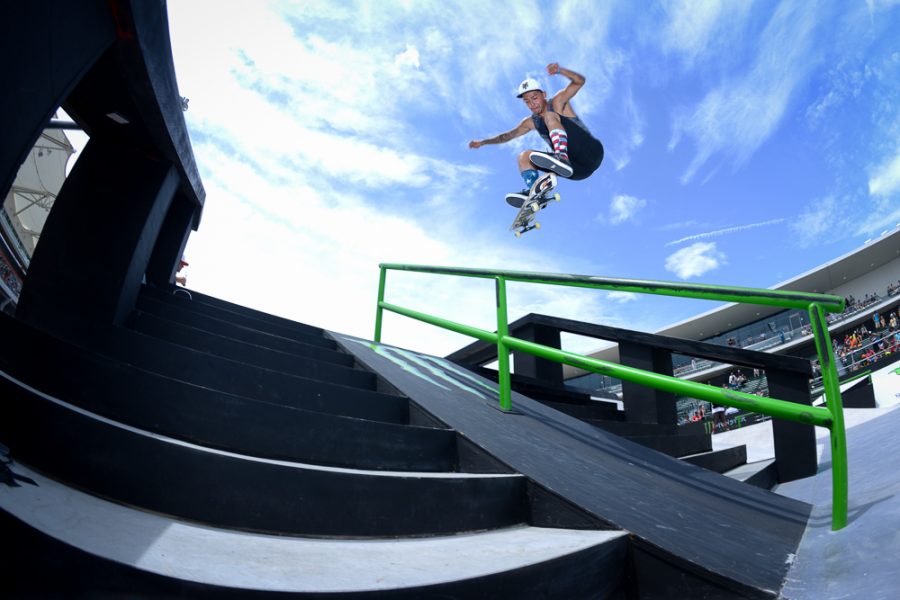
pixel 553 69
pixel 475 144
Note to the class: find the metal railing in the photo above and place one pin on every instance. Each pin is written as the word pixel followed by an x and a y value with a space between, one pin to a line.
pixel 831 416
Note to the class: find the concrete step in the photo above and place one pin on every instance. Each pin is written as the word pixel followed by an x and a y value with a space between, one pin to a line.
pixel 163 356
pixel 543 391
pixel 762 474
pixel 284 341
pixel 597 410
pixel 322 434
pixel 674 445
pixel 225 489
pixel 719 461
pixel 226 347
pixel 197 369
pixel 627 428
pixel 107 549
pixel 324 387
pixel 232 313
pixel 202 301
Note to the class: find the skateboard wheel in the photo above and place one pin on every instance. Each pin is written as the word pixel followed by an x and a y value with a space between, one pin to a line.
pixel 537 225
pixel 518 234
pixel 556 197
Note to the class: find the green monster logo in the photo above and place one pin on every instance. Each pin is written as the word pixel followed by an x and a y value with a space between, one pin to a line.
pixel 433 370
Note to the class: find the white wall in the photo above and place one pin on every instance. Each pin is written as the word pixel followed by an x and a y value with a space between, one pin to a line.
pixel 875 280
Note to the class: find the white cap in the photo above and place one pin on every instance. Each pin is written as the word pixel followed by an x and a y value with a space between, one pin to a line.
pixel 529 85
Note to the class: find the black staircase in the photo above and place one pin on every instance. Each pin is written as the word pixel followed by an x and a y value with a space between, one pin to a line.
pixel 145 417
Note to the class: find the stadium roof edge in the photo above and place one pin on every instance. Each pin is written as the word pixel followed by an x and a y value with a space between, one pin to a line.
pixel 825 278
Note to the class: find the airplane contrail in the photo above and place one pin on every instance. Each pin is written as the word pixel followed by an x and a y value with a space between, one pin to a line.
pixel 727 230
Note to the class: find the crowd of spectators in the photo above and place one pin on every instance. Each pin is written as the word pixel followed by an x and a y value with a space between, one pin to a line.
pixel 854 305
pixel 863 347
pixel 857 350
pixel 724 418
pixel 775 337
pixel 9 277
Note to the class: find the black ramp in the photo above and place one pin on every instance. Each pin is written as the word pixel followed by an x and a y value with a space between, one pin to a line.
pixel 732 535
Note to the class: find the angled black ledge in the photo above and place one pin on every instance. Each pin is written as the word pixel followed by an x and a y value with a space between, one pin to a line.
pixel 479 353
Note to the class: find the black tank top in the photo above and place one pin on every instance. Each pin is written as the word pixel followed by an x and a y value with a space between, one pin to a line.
pixel 541 127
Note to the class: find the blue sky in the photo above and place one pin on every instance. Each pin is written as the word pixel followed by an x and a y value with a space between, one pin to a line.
pixel 746 143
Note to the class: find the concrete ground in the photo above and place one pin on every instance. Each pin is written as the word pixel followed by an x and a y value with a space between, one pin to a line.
pixel 859 561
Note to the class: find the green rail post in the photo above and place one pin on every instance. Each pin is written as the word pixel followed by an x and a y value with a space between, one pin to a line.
pixel 831 386
pixel 502 350
pixel 379 310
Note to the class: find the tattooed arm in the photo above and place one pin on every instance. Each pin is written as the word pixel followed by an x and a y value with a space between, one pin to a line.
pixel 521 129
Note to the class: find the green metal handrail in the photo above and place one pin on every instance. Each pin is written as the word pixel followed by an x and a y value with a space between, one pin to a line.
pixel 831 416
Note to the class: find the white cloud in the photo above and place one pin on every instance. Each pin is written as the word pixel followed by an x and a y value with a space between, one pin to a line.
pixel 408 58
pixel 817 221
pixel 589 22
pixel 830 219
pixel 845 82
pixel 632 131
pixel 691 25
pixel 282 246
pixel 703 31
pixel 886 218
pixel 876 5
pixel 695 260
pixel 305 260
pixel 299 112
pixel 739 115
pixel 885 180
pixel 624 208
pixel 622 297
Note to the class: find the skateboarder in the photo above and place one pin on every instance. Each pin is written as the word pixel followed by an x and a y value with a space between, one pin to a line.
pixel 576 153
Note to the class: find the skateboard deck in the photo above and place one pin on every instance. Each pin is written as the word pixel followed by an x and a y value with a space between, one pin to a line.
pixel 543 192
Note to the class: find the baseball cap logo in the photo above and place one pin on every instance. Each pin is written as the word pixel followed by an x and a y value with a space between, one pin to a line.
pixel 527 86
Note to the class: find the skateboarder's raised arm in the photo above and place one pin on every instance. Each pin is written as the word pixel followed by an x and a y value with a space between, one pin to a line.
pixel 576 82
pixel 521 129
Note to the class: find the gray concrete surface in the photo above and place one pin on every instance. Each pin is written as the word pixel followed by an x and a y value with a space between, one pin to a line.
pixel 861 560
pixel 266 562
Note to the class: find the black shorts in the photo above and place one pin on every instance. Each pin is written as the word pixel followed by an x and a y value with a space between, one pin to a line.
pixel 583 166
pixel 585 151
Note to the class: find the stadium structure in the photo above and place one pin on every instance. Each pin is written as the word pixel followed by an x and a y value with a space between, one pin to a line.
pixel 156 441
pixel 869 279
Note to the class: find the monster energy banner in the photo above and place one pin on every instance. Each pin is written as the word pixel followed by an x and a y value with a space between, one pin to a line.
pixel 692 410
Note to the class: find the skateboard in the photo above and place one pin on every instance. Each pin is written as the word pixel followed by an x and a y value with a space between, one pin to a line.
pixel 543 192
